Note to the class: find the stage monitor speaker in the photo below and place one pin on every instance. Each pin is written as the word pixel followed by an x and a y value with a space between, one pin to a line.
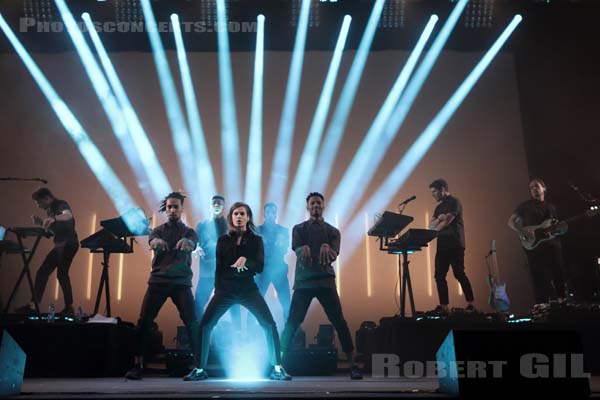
pixel 12 365
pixel 504 362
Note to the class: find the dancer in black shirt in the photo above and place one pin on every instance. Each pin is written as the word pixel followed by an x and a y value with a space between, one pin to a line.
pixel 317 245
pixel 171 276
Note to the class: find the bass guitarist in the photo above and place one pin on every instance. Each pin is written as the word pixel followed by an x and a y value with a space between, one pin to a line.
pixel 545 260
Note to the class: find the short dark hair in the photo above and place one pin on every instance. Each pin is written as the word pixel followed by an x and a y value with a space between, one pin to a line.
pixel 173 195
pixel 439 184
pixel 218 197
pixel 538 180
pixel 270 204
pixel 314 194
pixel 41 193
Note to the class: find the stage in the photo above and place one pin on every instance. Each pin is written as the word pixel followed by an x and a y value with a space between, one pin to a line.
pixel 165 387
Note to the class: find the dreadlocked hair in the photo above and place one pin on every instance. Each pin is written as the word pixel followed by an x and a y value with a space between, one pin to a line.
pixel 173 195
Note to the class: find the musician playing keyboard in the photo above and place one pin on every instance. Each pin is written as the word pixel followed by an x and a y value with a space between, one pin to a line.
pixel 60 221
pixel 448 221
pixel 545 260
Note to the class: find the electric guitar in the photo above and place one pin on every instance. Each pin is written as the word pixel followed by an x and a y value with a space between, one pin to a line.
pixel 498 298
pixel 550 229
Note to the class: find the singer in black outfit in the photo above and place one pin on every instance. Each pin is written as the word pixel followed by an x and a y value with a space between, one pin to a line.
pixel 171 277
pixel 61 222
pixel 447 219
pixel 240 255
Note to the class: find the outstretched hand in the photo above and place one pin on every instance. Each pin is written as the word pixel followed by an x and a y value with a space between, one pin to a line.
pixel 326 255
pixel 240 264
pixel 185 245
pixel 159 244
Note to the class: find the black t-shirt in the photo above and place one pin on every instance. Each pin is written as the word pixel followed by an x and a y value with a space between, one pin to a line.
pixel 172 266
pixel 311 274
pixel 64 231
pixel 453 236
pixel 534 212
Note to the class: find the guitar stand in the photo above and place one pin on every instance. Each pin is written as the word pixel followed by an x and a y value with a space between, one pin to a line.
pixel 27 256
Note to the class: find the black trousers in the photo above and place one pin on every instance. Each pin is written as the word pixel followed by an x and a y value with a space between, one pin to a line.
pixel 156 295
pixel 329 299
pixel 59 258
pixel 443 259
pixel 255 303
pixel 203 290
pixel 276 274
pixel 546 268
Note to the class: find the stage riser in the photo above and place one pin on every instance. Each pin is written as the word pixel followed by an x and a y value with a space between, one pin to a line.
pixel 75 350
pixel 419 340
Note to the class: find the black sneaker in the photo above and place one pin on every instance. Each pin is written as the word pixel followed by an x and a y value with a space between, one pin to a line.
pixel 136 373
pixel 440 310
pixel 68 311
pixel 470 307
pixel 355 373
pixel 280 376
pixel 196 374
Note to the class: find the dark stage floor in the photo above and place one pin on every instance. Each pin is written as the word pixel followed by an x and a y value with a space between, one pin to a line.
pixel 165 387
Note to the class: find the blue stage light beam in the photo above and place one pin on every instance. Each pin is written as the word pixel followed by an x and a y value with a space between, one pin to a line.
pixel 108 101
pixel 311 148
pixel 334 134
pixel 283 148
pixel 154 171
pixel 406 101
pixel 253 188
pixel 230 142
pixel 204 169
pixel 394 181
pixel 361 168
pixel 110 182
pixel 179 131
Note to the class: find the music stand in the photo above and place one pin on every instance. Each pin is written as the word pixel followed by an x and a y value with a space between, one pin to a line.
pixel 113 239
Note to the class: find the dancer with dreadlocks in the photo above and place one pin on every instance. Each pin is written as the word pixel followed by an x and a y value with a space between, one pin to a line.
pixel 171 276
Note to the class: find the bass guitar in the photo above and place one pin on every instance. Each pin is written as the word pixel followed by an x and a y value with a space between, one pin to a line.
pixel 550 229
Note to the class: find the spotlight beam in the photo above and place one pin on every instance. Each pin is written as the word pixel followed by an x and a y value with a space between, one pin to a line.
pixel 230 145
pixel 180 134
pixel 361 169
pixel 405 102
pixel 419 148
pixel 338 122
pixel 111 184
pixel 107 99
pixel 283 148
pixel 254 160
pixel 311 148
pixel 145 152
pixel 204 170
